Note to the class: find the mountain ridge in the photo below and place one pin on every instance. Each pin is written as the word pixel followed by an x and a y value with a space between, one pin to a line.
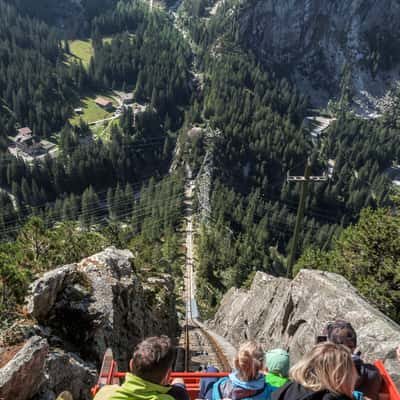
pixel 355 44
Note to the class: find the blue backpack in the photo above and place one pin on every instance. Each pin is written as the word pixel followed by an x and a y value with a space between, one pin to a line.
pixel 224 389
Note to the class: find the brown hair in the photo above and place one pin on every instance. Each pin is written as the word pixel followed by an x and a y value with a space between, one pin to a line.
pixel 153 358
pixel 328 366
pixel 341 332
pixel 249 361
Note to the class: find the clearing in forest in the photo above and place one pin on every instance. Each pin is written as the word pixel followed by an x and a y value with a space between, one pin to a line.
pixel 91 112
pixel 103 131
pixel 83 50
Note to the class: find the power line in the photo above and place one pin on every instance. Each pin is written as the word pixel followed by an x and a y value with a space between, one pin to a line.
pixel 45 207
pixel 136 185
pixel 121 204
pixel 154 223
pixel 93 213
pixel 277 222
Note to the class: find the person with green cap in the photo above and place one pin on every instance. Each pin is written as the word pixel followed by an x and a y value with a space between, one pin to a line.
pixel 277 364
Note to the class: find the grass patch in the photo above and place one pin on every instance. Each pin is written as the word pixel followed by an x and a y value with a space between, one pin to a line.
pixel 103 131
pixel 82 50
pixel 91 112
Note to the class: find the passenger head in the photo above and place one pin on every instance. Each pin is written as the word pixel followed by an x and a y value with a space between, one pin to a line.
pixel 341 332
pixel 328 366
pixel 277 362
pixel 249 361
pixel 153 358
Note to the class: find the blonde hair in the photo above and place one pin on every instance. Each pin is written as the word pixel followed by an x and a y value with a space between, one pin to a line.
pixel 249 361
pixel 328 366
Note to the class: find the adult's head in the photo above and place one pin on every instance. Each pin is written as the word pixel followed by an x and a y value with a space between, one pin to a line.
pixel 249 361
pixel 277 361
pixel 328 366
pixel 341 332
pixel 153 358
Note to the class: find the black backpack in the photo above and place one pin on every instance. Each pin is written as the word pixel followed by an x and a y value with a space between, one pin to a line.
pixel 294 391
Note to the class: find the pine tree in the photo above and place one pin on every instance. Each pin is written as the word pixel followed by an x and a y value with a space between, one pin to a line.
pixel 66 47
pixel 90 208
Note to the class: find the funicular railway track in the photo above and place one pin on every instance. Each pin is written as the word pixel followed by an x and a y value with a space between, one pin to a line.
pixel 200 348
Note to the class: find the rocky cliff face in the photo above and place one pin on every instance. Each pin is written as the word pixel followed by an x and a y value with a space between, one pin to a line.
pixel 290 314
pixel 79 310
pixel 324 44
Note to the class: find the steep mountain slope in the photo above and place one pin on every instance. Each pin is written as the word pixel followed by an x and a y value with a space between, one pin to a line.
pixel 327 46
pixel 71 15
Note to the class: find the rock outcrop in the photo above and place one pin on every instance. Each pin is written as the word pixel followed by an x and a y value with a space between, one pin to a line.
pixel 22 377
pixel 100 303
pixel 80 310
pixel 290 314
pixel 45 290
pixel 316 41
pixel 66 371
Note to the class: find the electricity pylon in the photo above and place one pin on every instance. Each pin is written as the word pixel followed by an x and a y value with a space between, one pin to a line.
pixel 304 180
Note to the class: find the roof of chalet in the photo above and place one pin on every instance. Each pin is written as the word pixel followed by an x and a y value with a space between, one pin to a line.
pixel 24 131
pixel 101 101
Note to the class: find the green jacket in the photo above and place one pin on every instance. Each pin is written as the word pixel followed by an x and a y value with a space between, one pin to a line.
pixel 275 380
pixel 135 388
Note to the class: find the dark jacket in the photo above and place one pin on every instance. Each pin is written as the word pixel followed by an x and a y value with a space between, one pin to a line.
pixel 294 391
pixel 206 385
pixel 370 380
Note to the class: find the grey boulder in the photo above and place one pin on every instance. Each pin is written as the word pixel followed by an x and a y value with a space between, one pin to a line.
pixel 22 376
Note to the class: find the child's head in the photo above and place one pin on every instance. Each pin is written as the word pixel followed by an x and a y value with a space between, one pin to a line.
pixel 249 361
pixel 277 361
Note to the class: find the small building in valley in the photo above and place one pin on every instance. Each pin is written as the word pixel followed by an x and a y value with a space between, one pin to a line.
pixel 25 141
pixel 30 147
pixel 137 109
pixel 24 131
pixel 127 98
pixel 27 144
pixel 104 103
